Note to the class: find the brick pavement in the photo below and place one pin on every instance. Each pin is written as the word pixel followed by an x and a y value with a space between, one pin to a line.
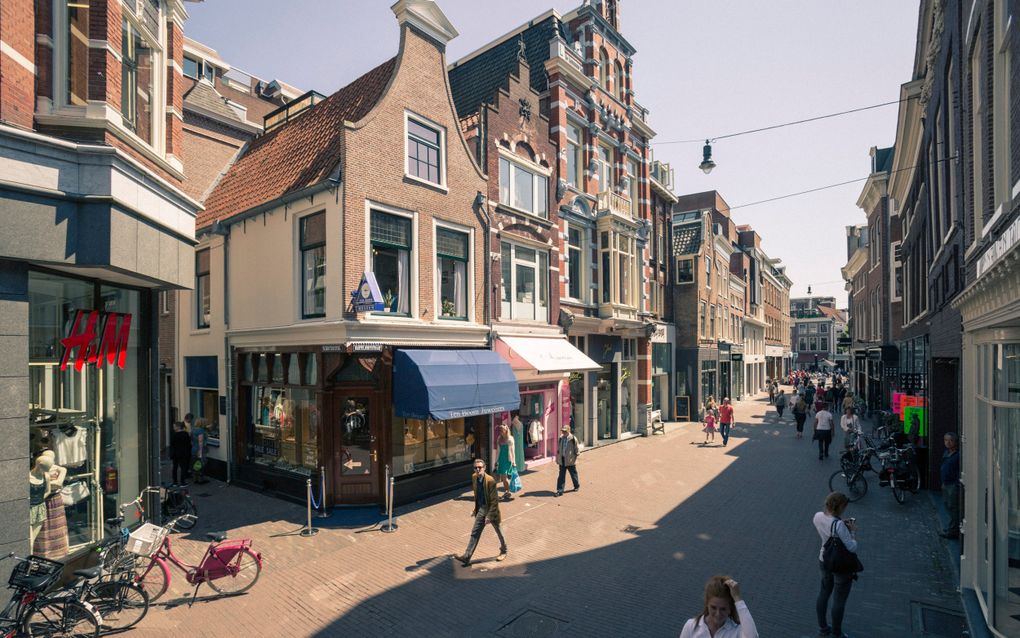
pixel 626 556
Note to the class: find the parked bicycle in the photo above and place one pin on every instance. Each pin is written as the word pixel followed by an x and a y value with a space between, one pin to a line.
pixel 31 612
pixel 230 567
pixel 121 604
pixel 853 464
pixel 899 470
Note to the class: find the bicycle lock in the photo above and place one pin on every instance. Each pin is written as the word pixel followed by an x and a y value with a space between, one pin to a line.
pixel 388 486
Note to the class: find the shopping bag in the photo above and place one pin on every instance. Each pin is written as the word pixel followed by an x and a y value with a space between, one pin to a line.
pixel 515 481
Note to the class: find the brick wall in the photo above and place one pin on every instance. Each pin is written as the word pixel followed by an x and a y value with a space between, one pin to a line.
pixel 17 75
pixel 208 147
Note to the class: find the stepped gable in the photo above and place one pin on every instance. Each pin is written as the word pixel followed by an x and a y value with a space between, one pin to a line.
pixel 297 154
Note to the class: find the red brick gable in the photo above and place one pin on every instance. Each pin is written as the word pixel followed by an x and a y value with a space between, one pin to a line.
pixel 297 154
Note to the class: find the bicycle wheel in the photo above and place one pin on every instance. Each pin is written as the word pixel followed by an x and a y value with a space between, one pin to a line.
pixel 837 481
pixel 153 576
pixel 187 507
pixel 857 487
pixel 121 605
pixel 246 567
pixel 66 618
pixel 898 491
pixel 914 482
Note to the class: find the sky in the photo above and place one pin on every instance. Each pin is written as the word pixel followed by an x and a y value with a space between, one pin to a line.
pixel 702 69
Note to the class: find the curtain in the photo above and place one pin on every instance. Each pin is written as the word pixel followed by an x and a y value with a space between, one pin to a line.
pixel 459 288
pixel 403 289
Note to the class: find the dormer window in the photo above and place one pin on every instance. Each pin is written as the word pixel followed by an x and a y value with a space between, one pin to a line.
pixel 198 70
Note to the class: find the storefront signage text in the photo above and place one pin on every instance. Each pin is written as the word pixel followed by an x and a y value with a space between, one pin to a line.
pixel 104 335
pixel 1006 241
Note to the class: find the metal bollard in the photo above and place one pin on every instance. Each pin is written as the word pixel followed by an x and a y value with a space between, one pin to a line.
pixel 309 530
pixel 388 486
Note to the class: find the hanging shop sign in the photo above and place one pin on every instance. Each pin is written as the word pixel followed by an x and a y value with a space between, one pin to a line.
pixel 367 298
pixel 96 338
pixel 897 403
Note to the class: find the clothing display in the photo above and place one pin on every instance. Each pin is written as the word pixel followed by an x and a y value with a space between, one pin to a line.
pixel 51 542
pixel 70 446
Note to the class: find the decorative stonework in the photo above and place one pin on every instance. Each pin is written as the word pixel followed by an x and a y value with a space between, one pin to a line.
pixel 932 56
pixel 993 295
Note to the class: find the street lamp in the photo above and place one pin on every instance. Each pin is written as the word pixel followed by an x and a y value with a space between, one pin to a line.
pixel 707 164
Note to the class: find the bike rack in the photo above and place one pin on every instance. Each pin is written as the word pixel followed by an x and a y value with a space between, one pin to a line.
pixel 388 485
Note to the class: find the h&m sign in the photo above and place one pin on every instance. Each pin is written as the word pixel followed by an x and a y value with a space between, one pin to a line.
pixel 95 336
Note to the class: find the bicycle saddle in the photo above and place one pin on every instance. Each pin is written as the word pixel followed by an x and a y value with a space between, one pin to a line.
pixel 219 537
pixel 89 572
pixel 115 521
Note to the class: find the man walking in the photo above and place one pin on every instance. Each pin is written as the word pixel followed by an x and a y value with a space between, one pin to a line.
pixel 566 456
pixel 486 510
pixel 725 420
pixel 950 476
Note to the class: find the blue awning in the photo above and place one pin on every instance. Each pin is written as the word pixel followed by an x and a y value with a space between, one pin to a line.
pixel 452 384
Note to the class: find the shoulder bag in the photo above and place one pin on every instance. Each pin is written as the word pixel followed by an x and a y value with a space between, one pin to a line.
pixel 836 557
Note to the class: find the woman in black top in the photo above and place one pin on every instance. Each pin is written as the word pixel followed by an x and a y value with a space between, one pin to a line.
pixel 180 453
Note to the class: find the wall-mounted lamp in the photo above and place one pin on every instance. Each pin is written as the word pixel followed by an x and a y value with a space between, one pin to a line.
pixel 707 164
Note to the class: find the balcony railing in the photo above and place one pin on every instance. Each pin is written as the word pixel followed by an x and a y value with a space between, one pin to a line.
pixel 615 203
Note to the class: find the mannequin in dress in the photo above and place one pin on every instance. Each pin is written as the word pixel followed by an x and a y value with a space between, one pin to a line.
pixel 47 520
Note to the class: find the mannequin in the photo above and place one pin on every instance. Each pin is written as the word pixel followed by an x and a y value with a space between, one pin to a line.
pixel 47 520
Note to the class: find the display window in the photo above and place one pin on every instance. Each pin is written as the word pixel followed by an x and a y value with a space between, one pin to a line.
pixel 283 416
pixel 87 406
pixel 424 444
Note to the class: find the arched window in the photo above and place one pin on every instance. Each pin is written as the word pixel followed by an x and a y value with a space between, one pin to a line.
pixel 604 69
pixel 621 89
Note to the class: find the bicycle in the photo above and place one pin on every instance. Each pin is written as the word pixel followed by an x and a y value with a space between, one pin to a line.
pixel 230 567
pixel 899 471
pixel 30 612
pixel 121 604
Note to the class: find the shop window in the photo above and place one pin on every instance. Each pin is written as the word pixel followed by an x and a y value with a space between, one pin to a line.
pixel 138 74
pixel 452 258
pixel 202 296
pixel 424 444
pixel 424 151
pixel 391 260
pixel 313 265
pixel 524 276
pixel 205 404
pixel 523 189
pixel 575 269
pixel 83 424
pixel 284 429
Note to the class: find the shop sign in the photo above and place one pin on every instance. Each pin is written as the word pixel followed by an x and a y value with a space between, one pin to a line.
pixel 104 335
pixel 897 403
pixel 364 346
pixel 565 411
pixel 1006 241
pixel 335 347
pixel 367 298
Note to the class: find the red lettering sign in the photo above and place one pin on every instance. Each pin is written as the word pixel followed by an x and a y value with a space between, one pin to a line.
pixel 111 346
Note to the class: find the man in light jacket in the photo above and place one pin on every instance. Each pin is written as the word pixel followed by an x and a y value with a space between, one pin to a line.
pixel 566 455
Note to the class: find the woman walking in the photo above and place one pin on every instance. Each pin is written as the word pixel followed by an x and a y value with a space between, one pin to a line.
pixel 725 614
pixel 850 425
pixel 506 461
pixel 823 432
pixel 800 415
pixel 781 403
pixel 834 585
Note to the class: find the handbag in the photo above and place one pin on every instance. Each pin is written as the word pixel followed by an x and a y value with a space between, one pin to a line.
pixel 836 557
pixel 74 493
pixel 515 481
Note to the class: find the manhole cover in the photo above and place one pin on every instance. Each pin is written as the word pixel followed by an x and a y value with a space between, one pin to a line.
pixel 936 621
pixel 532 624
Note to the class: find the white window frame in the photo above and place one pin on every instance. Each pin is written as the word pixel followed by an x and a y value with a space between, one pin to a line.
pixel 538 174
pixel 680 260
pixel 158 97
pixel 634 172
pixel 977 110
pixel 469 271
pixel 426 122
pixel 897 265
pixel 540 273
pixel 1001 116
pixel 412 259
pixel 203 72
pixel 299 252
pixel 708 271
pixel 574 149
pixel 583 255
pixel 164 302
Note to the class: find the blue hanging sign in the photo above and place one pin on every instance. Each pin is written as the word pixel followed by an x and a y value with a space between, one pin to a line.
pixel 367 298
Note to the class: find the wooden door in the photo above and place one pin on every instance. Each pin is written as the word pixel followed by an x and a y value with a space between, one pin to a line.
pixel 356 428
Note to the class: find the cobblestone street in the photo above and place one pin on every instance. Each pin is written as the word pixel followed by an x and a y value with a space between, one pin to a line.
pixel 627 555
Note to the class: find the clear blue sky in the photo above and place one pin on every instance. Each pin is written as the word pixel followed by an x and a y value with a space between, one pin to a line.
pixel 703 69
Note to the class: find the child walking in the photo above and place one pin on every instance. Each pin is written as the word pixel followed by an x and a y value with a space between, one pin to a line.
pixel 710 421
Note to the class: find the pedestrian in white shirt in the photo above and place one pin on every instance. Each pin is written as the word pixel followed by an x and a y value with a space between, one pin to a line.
pixel 849 423
pixel 725 614
pixel 823 432
pixel 836 586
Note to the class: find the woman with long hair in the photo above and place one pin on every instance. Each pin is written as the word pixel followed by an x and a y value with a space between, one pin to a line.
pixel 725 614
pixel 507 459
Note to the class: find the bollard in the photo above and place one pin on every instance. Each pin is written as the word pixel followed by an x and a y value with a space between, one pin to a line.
pixel 309 530
pixel 388 486
pixel 322 513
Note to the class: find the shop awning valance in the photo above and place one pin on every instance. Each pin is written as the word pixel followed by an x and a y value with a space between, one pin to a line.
pixel 545 355
pixel 452 384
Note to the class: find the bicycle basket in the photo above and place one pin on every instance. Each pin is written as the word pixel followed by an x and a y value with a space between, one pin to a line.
pixel 145 540
pixel 35 573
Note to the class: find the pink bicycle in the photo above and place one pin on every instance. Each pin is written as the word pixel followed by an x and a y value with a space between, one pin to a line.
pixel 230 567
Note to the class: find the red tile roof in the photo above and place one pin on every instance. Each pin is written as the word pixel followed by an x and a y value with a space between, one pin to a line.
pixel 296 155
